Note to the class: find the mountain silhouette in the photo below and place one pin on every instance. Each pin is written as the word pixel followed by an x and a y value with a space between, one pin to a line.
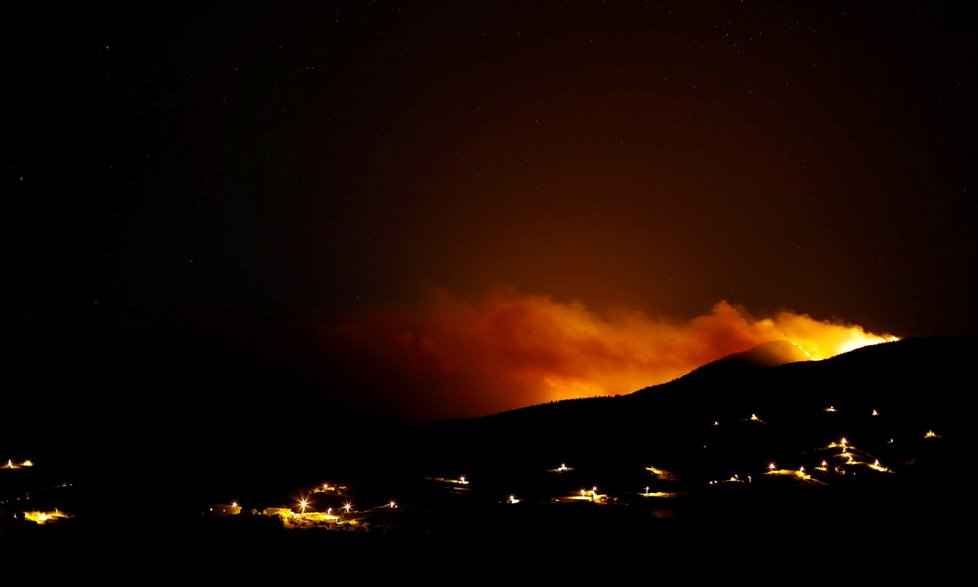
pixel 915 382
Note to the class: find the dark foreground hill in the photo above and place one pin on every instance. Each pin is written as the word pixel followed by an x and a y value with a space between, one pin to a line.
pixel 749 457
pixel 915 385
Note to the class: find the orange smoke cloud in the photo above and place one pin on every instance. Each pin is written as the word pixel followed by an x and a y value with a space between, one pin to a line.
pixel 449 356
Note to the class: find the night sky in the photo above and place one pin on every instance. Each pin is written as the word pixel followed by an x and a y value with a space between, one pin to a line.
pixel 327 164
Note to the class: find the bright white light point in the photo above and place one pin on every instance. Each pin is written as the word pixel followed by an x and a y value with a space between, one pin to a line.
pixel 801 469
pixel 843 442
pixel 875 413
pixel 393 504
pixel 347 506
pixel 825 464
pixel 234 504
pixel 771 466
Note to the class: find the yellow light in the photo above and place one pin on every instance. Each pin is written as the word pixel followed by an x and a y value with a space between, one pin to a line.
pixel 932 434
pixel 512 499
pixel 876 466
pixel 42 518
pixel 661 473
pixel 754 417
pixel 843 442
pixel 830 409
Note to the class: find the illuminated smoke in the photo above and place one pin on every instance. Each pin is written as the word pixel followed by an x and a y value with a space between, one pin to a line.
pixel 449 356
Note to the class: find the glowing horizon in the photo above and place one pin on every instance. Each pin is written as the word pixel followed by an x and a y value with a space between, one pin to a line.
pixel 507 350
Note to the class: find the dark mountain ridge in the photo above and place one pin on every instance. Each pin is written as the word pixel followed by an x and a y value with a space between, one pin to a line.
pixel 916 384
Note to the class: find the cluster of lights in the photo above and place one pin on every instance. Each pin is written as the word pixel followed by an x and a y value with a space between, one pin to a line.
pixel 306 512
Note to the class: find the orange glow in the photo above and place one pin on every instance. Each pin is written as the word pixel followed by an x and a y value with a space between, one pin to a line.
pixel 12 465
pixel 509 350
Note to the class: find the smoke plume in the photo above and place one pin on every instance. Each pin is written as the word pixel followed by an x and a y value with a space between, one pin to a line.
pixel 449 356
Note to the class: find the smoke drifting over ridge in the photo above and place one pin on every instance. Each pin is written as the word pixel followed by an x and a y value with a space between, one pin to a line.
pixel 505 350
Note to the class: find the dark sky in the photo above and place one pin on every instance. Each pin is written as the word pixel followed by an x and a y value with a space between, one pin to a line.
pixel 305 159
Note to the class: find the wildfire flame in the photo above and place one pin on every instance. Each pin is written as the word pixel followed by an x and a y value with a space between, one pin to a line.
pixel 507 350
